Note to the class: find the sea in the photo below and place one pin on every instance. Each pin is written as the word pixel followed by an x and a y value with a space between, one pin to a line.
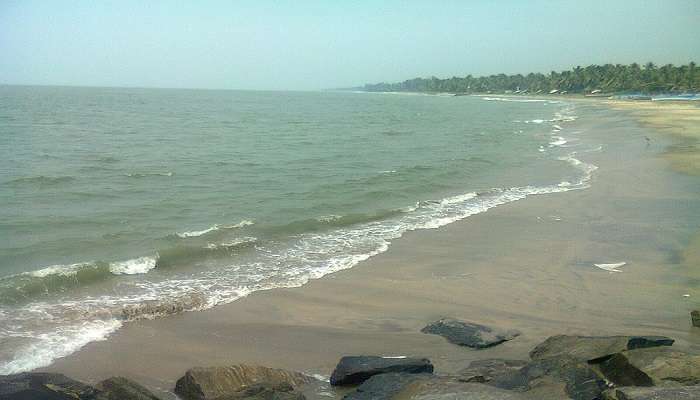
pixel 120 204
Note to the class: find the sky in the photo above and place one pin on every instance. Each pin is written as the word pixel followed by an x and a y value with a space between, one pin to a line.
pixel 310 45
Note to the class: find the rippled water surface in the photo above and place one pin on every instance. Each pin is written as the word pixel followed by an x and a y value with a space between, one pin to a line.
pixel 119 204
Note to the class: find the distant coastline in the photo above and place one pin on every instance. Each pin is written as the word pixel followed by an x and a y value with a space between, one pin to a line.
pixel 593 80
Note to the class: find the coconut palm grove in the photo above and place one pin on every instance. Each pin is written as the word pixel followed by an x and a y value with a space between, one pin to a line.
pixel 608 78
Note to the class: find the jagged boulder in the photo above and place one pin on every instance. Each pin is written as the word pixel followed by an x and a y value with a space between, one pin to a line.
pixel 353 370
pixel 555 378
pixel 44 386
pixel 653 393
pixel 594 348
pixel 119 388
pixel 469 334
pixel 216 382
pixel 651 367
pixel 481 371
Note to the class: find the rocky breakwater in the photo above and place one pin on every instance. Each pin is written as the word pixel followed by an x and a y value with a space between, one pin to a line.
pixel 561 367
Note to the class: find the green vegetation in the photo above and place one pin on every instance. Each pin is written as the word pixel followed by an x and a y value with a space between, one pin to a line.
pixel 606 78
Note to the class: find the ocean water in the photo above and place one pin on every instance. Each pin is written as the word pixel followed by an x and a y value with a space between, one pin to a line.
pixel 122 204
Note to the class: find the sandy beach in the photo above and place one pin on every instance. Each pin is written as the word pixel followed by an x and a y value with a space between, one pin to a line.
pixel 679 119
pixel 527 265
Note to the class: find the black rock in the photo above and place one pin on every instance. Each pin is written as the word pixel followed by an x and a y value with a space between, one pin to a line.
pixel 695 318
pixel 644 342
pixel 469 334
pixel 594 349
pixel 118 388
pixel 352 370
pixel 485 370
pixel 577 379
pixel 384 386
pixel 44 386
pixel 651 367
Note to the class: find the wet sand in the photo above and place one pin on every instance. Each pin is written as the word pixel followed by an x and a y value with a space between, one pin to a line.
pixel 527 265
pixel 679 119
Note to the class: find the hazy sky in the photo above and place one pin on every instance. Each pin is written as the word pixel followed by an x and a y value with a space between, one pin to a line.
pixel 324 44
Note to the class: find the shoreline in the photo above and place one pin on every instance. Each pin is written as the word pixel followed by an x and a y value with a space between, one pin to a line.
pixel 544 284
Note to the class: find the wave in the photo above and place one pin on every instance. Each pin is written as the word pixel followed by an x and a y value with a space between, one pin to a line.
pixel 56 279
pixel 61 278
pixel 148 174
pixel 189 254
pixel 558 141
pixel 139 265
pixel 334 221
pixel 189 234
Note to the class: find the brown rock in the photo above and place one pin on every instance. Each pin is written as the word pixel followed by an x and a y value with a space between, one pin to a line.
pixel 216 382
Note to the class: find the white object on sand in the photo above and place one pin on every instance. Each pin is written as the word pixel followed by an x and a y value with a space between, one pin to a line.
pixel 611 267
pixel 686 295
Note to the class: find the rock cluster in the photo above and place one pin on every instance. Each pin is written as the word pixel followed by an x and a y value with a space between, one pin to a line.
pixel 561 367
pixel 47 386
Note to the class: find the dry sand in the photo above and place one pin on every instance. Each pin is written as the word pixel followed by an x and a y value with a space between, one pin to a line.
pixel 527 265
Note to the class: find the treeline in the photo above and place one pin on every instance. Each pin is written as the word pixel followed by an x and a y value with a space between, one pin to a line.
pixel 606 78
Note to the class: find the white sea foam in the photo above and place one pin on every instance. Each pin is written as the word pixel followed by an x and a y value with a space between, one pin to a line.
pixel 558 141
pixel 329 218
pixel 613 267
pixel 46 347
pixel 146 174
pixel 232 243
pixel 241 224
pixel 65 270
pixel 216 227
pixel 139 265
pixel 189 234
